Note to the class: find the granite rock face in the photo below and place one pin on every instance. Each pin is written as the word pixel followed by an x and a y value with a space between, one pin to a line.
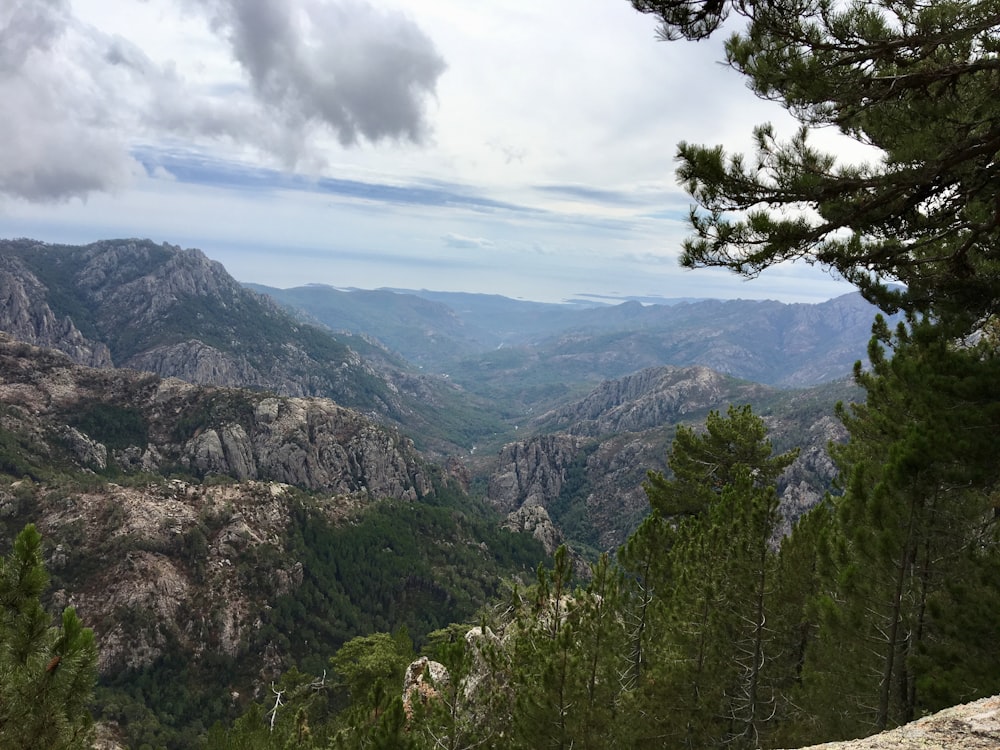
pixel 161 563
pixel 150 590
pixel 142 422
pixel 649 399
pixel 596 452
pixel 535 520
pixel 532 472
pixel 25 315
pixel 972 726
pixel 174 312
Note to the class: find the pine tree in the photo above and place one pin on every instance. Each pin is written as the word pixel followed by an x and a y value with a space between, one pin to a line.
pixel 707 676
pixel 546 660
pixel 797 586
pixel 909 551
pixel 916 514
pixel 916 81
pixel 47 673
pixel 569 652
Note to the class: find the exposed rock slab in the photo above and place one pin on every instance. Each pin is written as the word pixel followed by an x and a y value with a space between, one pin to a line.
pixel 310 443
pixel 973 726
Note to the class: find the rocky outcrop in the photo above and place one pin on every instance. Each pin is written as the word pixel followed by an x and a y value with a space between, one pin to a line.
pixel 157 565
pixel 177 563
pixel 972 726
pixel 422 684
pixel 143 423
pixel 195 362
pixel 26 315
pixel 535 520
pixel 532 472
pixel 806 481
pixel 650 399
pixel 608 440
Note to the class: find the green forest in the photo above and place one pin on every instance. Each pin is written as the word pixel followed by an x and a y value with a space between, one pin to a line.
pixel 704 630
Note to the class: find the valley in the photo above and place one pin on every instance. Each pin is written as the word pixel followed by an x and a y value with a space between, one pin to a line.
pixel 192 450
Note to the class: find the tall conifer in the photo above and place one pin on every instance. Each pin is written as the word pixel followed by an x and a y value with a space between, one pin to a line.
pixel 47 673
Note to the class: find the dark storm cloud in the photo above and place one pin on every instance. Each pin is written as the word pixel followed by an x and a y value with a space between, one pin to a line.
pixel 363 72
pixel 76 99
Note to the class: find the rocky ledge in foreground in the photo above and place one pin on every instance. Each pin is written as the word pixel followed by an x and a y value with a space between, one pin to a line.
pixel 973 726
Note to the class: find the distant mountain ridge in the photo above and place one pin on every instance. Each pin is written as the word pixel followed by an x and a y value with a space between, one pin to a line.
pixel 775 343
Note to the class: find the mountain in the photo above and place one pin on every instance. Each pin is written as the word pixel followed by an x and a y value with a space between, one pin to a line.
pixel 228 485
pixel 580 471
pixel 214 536
pixel 523 359
pixel 467 335
pixel 173 312
pixel 124 420
pixel 606 383
pixel 422 331
pixel 593 392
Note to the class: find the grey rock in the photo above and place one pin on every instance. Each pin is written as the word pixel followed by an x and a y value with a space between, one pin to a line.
pixel 532 472
pixel 195 362
pixel 88 452
pixel 972 726
pixel 535 520
pixel 309 442
pixel 26 315
pixel 647 400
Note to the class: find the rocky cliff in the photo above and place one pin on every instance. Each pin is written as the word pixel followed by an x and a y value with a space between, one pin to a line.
pixel 587 466
pixel 25 315
pixel 650 399
pixel 165 565
pixel 140 305
pixel 135 421
pixel 151 561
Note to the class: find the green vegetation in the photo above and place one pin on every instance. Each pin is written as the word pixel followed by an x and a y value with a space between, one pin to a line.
pixel 47 672
pixel 709 635
pixel 569 512
pixel 214 408
pixel 709 631
pixel 393 566
pixel 418 566
pixel 115 426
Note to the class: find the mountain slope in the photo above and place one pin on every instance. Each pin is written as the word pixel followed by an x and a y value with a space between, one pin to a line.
pixel 585 462
pixel 173 312
pixel 792 345
pixel 214 536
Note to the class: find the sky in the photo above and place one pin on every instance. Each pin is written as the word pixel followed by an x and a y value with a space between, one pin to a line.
pixel 515 147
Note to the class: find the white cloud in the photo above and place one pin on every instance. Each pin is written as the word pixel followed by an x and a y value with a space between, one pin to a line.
pixel 78 94
pixel 371 133
pixel 59 136
pixel 343 64
pixel 457 240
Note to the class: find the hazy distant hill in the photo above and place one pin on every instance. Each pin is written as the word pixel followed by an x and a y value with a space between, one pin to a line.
pixel 423 331
pixel 471 336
